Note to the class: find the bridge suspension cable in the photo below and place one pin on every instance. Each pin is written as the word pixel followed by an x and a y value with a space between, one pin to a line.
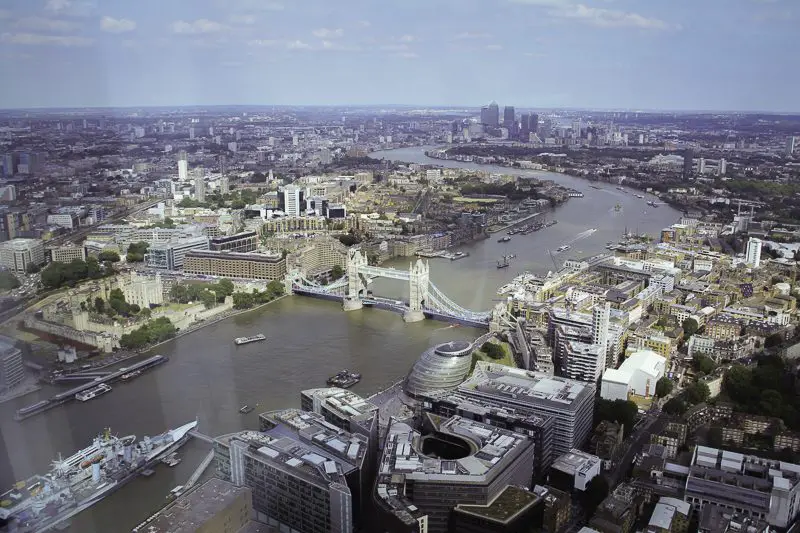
pixel 441 302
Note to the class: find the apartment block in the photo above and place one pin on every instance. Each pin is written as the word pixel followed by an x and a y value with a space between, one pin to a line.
pixel 252 265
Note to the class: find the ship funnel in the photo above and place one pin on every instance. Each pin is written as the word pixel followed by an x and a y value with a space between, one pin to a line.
pixel 96 472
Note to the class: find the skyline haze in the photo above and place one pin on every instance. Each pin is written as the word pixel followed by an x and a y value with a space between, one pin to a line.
pixel 596 54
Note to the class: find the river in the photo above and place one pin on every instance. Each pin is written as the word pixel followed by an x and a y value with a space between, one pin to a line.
pixel 209 378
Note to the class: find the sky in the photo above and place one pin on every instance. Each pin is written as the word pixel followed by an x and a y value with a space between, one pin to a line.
pixel 737 55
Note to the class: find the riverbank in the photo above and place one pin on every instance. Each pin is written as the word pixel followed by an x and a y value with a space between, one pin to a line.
pixel 205 323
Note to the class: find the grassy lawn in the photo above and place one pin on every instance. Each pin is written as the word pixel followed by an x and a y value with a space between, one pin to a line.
pixel 506 360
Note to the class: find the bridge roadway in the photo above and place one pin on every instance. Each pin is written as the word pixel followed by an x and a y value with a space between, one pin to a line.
pixel 389 304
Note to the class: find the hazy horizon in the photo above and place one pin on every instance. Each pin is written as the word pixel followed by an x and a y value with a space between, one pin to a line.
pixel 617 55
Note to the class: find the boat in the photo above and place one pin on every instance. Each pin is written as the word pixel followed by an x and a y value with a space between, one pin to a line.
pixel 92 393
pixel 504 263
pixel 81 480
pixel 618 207
pixel 172 460
pixel 563 248
pixel 504 239
pixel 130 375
pixel 621 189
pixel 246 409
pixel 596 187
pixel 245 340
pixel 641 196
pixel 344 379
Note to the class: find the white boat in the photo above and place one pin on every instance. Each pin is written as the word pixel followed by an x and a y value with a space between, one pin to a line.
pixel 563 248
pixel 245 340
pixel 92 393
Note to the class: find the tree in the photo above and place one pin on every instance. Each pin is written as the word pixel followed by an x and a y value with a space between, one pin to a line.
pixel 596 492
pixel 109 255
pixel 663 387
pixel 8 281
pixel 493 350
pixel 242 300
pixel 703 363
pixel 209 298
pixel 337 272
pixel 99 305
pixel 697 392
pixel 675 406
pixel 690 327
pixel 773 341
pixel 275 288
pixel 620 411
pixel 738 384
pixel 348 239
pixel 32 268
pixel 137 250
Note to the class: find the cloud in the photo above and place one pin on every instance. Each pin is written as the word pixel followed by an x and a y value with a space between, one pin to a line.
pixel 247 20
pixel 394 47
pixel 249 5
pixel 406 55
pixel 298 45
pixel 57 6
pixel 72 8
pixel 364 23
pixel 196 27
pixel 494 47
pixel 467 35
pixel 407 38
pixel 36 39
pixel 112 25
pixel 45 24
pixel 533 54
pixel 327 33
pixel 264 43
pixel 596 16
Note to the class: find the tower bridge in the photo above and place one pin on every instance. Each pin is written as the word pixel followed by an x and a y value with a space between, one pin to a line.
pixel 425 300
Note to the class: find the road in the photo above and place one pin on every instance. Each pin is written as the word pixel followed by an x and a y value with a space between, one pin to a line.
pixel 653 421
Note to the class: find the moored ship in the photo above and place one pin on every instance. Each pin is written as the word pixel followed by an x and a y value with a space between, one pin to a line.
pixel 83 479
pixel 92 393
pixel 563 248
pixel 344 379
pixel 504 239
pixel 246 340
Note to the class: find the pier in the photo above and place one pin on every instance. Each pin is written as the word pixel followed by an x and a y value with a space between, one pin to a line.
pixel 66 396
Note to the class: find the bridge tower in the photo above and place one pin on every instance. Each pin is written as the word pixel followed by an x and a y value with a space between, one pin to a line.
pixel 355 284
pixel 418 283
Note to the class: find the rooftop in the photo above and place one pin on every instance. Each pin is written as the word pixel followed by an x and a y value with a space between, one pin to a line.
pixel 645 361
pixel 342 401
pixel 192 510
pixel 526 387
pixel 575 462
pixel 508 504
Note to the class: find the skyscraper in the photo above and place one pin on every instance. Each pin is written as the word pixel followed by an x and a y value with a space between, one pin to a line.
pixel 494 114
pixel 200 187
pixel 509 117
pixel 601 316
pixel 790 146
pixel 183 167
pixel 533 123
pixel 688 162
pixel 224 185
pixel 524 126
pixel 293 200
pixel 753 253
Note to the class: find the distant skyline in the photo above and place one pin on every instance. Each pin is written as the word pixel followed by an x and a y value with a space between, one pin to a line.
pixel 734 55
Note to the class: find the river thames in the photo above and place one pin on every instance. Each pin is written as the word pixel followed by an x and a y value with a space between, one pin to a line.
pixel 209 378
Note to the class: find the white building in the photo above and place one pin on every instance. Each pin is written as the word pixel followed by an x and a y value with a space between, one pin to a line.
pixel 17 254
pixel 753 253
pixel 64 220
pixel 292 201
pixel 183 169
pixel 582 467
pixel 144 291
pixel 668 513
pixel 637 375
pixel 224 185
